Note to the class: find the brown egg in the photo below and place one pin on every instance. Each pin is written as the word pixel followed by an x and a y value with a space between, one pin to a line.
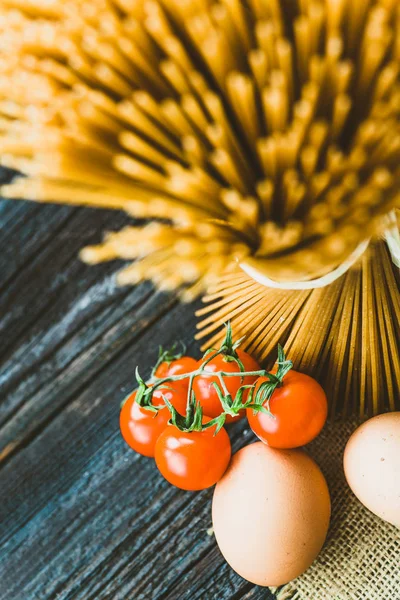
pixel 372 465
pixel 271 513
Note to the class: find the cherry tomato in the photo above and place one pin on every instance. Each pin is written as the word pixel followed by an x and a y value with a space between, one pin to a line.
pixel 182 365
pixel 205 392
pixel 194 460
pixel 141 427
pixel 299 408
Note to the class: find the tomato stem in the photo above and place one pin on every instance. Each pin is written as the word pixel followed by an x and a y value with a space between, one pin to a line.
pixel 144 394
pixel 210 358
pixel 284 365
pixel 228 348
pixel 196 372
pixel 223 384
pixel 168 355
pixel 267 388
pixel 257 400
pixel 189 394
pixel 192 421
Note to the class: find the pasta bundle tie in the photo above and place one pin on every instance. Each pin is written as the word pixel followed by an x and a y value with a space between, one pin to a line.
pixel 391 236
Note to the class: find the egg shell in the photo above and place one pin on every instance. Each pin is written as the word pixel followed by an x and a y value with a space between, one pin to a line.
pixel 271 513
pixel 372 465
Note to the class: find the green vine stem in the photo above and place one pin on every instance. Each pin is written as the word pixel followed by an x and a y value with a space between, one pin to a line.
pixel 168 355
pixel 228 348
pixel 193 420
pixel 266 389
pixel 200 371
pixel 258 400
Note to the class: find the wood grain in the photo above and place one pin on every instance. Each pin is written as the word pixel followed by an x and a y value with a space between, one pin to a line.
pixel 81 516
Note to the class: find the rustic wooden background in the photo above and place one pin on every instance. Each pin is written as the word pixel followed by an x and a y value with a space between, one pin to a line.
pixel 82 516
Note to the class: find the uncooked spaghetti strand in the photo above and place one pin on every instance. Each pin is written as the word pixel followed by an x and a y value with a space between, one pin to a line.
pixel 253 318
pixel 139 147
pixel 340 327
pixel 384 326
pixel 136 272
pixel 225 25
pixel 307 319
pixel 237 285
pixel 47 191
pixel 353 377
pixel 242 95
pixel 239 14
pixel 238 322
pixel 260 313
pixel 364 354
pixel 237 288
pixel 376 366
pixel 273 307
pixel 227 134
pixel 322 312
pixel 301 318
pixel 391 306
pixel 132 115
pixel 229 296
pixel 227 282
pixel 317 323
pixel 221 313
pixel 279 329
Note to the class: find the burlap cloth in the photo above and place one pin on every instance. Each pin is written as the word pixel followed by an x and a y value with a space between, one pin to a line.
pixel 361 556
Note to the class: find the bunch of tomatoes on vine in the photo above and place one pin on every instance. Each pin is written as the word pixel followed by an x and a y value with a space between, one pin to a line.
pixel 179 415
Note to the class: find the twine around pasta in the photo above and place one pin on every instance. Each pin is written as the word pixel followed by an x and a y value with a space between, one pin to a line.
pixel 391 236
pixel 306 285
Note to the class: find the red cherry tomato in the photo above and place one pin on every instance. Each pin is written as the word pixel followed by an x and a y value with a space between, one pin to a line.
pixel 141 427
pixel 299 408
pixel 205 392
pixel 182 365
pixel 195 460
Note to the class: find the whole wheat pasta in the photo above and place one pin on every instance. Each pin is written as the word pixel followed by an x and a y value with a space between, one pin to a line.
pixel 347 334
pixel 260 133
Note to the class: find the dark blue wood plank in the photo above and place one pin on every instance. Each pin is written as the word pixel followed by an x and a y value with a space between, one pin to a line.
pixel 81 516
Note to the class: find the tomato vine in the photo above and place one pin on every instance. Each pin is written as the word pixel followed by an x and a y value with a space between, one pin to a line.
pixel 193 419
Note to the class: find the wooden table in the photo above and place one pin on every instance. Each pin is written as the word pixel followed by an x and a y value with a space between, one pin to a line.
pixel 82 516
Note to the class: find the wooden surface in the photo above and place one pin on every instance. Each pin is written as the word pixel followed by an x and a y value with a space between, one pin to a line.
pixel 82 516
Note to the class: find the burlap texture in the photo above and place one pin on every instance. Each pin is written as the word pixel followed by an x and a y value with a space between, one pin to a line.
pixel 361 556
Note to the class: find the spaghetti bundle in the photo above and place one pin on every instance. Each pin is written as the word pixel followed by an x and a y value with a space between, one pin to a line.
pixel 264 132
pixel 346 334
